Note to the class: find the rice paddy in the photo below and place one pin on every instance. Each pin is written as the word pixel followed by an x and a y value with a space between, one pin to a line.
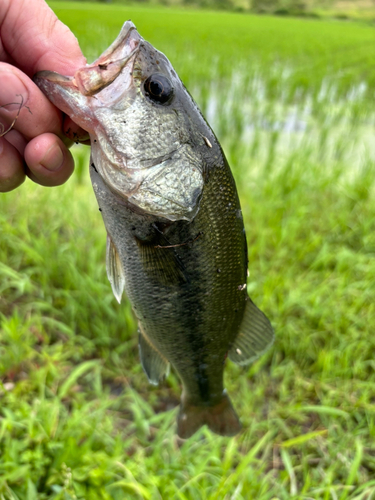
pixel 292 103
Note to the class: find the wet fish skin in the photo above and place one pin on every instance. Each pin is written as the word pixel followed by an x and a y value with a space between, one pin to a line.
pixel 176 240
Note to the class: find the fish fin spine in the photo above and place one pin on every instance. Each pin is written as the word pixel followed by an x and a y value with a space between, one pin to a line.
pixel 255 336
pixel 220 418
pixel 115 271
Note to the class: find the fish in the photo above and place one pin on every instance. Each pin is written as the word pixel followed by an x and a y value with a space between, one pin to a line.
pixel 176 242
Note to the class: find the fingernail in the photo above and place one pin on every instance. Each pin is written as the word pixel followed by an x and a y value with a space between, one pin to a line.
pixel 53 158
pixel 13 92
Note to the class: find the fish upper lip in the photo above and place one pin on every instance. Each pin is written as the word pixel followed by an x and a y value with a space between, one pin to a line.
pixel 119 44
pixel 93 78
pixel 123 48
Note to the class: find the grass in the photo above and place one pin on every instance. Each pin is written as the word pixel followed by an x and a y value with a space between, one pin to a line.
pixel 292 104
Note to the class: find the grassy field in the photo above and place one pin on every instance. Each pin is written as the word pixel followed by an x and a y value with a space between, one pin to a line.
pixel 292 103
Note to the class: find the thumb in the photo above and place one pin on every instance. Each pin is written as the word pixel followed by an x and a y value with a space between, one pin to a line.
pixel 36 39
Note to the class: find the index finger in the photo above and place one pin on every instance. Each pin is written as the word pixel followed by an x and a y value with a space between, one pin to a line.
pixel 36 40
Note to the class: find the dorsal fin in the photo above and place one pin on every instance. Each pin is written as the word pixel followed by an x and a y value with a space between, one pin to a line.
pixel 115 271
pixel 254 338
pixel 154 364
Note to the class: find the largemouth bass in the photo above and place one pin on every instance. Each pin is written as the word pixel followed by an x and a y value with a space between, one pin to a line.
pixel 176 242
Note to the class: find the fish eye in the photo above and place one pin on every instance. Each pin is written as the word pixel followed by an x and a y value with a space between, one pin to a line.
pixel 158 88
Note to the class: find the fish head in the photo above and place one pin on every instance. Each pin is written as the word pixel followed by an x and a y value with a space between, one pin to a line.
pixel 149 140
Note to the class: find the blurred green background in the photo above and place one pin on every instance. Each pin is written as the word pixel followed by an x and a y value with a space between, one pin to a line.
pixel 338 9
pixel 292 103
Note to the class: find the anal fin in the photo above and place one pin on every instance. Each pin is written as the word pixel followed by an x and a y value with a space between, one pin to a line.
pixel 154 364
pixel 255 336
pixel 115 270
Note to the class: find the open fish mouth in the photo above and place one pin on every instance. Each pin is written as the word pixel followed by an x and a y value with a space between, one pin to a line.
pixel 96 76
pixel 105 70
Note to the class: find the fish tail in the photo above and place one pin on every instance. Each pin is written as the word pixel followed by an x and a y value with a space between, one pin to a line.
pixel 220 418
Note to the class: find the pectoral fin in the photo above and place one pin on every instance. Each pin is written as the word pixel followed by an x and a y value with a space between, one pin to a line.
pixel 154 364
pixel 255 336
pixel 162 263
pixel 115 271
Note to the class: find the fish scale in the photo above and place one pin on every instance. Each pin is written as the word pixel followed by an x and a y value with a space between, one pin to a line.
pixel 176 243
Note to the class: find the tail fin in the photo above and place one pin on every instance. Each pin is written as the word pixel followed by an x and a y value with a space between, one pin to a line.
pixel 221 418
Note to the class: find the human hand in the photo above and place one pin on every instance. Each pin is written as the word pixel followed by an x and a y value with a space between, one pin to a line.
pixel 33 39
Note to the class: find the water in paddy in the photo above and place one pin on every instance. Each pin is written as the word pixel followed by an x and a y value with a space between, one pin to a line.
pixel 323 128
